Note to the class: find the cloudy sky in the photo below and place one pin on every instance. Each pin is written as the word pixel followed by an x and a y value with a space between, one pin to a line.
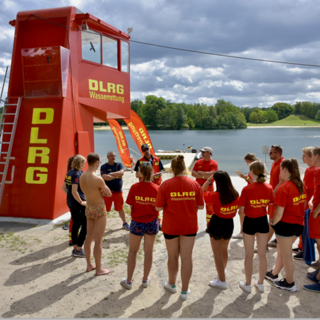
pixel 282 30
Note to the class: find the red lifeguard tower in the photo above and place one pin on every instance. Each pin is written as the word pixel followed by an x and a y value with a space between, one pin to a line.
pixel 68 70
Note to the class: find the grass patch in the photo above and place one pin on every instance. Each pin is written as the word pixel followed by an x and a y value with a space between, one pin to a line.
pixel 292 120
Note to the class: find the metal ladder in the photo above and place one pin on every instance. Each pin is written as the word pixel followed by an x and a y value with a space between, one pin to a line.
pixel 6 146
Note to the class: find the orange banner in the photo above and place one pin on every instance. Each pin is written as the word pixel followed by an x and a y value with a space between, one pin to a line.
pixel 139 132
pixel 121 142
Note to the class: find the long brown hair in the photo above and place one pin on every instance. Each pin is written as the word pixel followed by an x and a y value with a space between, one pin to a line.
pixel 69 163
pixel 226 190
pixel 178 166
pixel 292 166
pixel 146 171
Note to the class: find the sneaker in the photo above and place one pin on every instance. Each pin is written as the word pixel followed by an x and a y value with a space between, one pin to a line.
pixel 65 227
pixel 284 285
pixel 245 287
pixel 313 273
pixel 184 294
pixel 313 287
pixel 125 226
pixel 315 264
pixel 78 253
pixel 260 287
pixel 171 288
pixel 145 283
pixel 238 236
pixel 313 278
pixel 297 250
pixel 70 243
pixel 298 256
pixel 219 284
pixel 271 277
pixel 273 243
pixel 125 284
pixel 256 249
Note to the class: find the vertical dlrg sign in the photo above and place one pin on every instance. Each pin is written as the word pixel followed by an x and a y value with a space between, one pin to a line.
pixel 38 175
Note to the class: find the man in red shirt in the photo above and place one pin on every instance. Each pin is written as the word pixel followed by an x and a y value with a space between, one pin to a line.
pixel 202 170
pixel 275 154
pixel 314 220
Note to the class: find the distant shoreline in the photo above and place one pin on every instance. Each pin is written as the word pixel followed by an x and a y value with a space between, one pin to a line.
pixel 107 128
pixel 272 127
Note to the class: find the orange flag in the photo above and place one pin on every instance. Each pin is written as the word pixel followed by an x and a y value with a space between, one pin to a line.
pixel 121 142
pixel 139 132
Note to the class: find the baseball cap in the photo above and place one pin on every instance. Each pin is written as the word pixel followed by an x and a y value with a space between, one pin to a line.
pixel 144 146
pixel 206 149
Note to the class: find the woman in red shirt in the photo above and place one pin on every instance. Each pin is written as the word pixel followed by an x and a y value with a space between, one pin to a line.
pixel 253 203
pixel 225 206
pixel 287 222
pixel 144 224
pixel 249 158
pixel 180 198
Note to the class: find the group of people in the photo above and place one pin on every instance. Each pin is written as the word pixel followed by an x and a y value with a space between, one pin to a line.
pixel 285 200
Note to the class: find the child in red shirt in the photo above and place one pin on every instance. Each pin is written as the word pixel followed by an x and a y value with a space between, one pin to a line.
pixel 288 222
pixel 253 205
pixel 249 158
pixel 225 206
pixel 144 224
pixel 180 198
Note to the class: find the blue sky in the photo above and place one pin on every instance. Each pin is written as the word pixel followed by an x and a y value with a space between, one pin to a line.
pixel 275 30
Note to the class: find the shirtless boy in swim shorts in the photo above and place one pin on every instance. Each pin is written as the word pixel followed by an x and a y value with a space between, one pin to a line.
pixel 96 212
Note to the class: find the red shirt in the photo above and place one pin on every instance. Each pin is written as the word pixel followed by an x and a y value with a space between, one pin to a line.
pixel 288 196
pixel 275 173
pixel 225 212
pixel 308 181
pixel 255 198
pixel 142 198
pixel 249 181
pixel 180 197
pixel 316 195
pixel 202 165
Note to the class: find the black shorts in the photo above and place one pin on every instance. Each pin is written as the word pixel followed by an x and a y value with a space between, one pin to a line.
pixel 252 226
pixel 170 236
pixel 220 228
pixel 287 230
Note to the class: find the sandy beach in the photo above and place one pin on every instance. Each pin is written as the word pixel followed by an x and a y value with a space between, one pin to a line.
pixel 40 278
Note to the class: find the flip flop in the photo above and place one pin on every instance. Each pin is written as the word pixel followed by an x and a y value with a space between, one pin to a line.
pixel 103 273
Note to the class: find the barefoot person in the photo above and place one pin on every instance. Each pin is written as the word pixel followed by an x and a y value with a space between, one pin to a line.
pixel 287 222
pixel 112 172
pixel 76 202
pixel 93 187
pixel 249 158
pixel 253 205
pixel 144 224
pixel 225 206
pixel 180 198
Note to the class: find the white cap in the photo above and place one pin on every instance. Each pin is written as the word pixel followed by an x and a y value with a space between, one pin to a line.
pixel 206 149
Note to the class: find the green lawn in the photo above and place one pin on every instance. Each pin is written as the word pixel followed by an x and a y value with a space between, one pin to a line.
pixel 292 120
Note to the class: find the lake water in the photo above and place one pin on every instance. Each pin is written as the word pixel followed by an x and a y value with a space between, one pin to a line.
pixel 229 146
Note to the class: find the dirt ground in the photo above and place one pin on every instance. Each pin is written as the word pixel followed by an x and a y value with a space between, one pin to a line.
pixel 40 279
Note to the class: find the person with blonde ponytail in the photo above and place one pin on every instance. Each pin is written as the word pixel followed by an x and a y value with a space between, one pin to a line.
pixel 144 224
pixel 180 198
pixel 253 205
pixel 287 222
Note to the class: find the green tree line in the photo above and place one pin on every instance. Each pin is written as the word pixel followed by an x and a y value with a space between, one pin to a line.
pixel 160 114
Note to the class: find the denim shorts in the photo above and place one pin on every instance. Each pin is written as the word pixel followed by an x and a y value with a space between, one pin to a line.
pixel 140 228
